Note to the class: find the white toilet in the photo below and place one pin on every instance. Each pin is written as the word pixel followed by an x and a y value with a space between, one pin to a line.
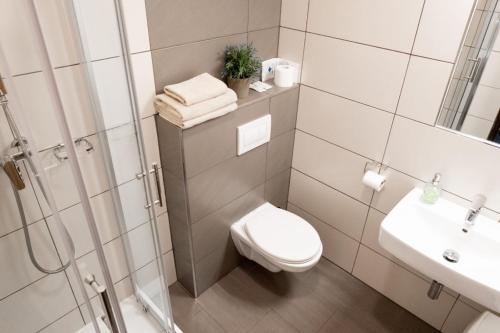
pixel 277 239
pixel 486 323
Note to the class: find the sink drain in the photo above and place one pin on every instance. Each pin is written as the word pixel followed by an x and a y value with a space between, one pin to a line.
pixel 451 255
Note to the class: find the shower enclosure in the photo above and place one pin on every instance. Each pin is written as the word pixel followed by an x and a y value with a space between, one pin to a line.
pixel 83 224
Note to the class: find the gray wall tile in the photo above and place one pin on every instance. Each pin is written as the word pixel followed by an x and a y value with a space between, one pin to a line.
pixel 170 145
pixel 220 185
pixel 176 22
pixel 277 189
pixel 179 63
pixel 264 14
pixel 284 111
pixel 214 266
pixel 266 42
pixel 214 230
pixel 279 153
pixel 212 142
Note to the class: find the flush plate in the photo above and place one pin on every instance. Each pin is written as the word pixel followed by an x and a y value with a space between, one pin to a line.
pixel 253 134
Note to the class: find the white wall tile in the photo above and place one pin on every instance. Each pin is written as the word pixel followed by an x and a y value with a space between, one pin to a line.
pixel 18 270
pixel 58 32
pixel 142 70
pixel 477 127
pixel 337 247
pixel 45 301
pixel 332 165
pixel 425 84
pixel 75 99
pixel 371 232
pixel 460 316
pixel 291 45
pixel 76 224
pixel 71 322
pixel 37 110
pixel 491 74
pixel 485 103
pixel 141 255
pixel 394 281
pixel 351 125
pixel 422 150
pixel 365 74
pixel 124 289
pixel 136 25
pixel 61 181
pixel 133 199
pixel 294 14
pixel 18 45
pixel 164 233
pixel 327 204
pixel 367 21
pixel 150 140
pixel 115 257
pixel 10 219
pixel 397 186
pixel 104 215
pixel 90 263
pixel 124 153
pixel 92 166
pixel 168 261
pixel 98 21
pixel 441 28
pixel 112 90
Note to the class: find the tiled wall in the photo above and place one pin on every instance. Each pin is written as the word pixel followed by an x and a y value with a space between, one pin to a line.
pixel 374 74
pixel 486 102
pixel 189 37
pixel 29 300
pixel 209 187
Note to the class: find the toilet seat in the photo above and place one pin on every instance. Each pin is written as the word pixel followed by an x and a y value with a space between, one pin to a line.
pixel 282 236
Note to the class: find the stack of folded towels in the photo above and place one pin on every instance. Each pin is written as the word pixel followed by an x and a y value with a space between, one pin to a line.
pixel 195 101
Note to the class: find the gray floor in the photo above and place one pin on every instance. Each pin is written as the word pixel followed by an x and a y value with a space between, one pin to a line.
pixel 324 299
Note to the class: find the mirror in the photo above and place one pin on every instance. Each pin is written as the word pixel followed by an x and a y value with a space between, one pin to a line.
pixel 472 101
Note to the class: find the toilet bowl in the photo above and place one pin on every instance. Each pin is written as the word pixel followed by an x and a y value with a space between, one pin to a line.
pixel 486 323
pixel 277 239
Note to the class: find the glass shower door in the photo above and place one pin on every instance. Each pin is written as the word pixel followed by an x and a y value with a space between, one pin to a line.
pixel 90 149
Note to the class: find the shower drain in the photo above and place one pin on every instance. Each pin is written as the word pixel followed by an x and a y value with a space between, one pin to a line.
pixel 451 255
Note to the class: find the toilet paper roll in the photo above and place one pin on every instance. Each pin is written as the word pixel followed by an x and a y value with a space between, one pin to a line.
pixel 374 180
pixel 284 75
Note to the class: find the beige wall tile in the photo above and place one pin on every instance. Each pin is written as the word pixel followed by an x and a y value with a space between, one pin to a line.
pixel 393 281
pixel 332 165
pixel 441 28
pixel 468 166
pixel 294 14
pixel 425 84
pixel 367 21
pixel 337 247
pixel 263 14
pixel 365 74
pixel 332 207
pixel 351 125
pixel 266 42
pixel 291 45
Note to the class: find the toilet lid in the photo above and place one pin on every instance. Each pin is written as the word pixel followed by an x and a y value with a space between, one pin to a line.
pixel 282 235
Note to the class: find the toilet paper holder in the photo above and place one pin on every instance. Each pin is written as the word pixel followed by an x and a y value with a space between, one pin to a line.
pixel 371 165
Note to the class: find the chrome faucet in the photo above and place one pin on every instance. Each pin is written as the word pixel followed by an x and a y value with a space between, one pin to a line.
pixel 470 218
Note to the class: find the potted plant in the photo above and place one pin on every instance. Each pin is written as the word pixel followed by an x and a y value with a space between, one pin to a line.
pixel 240 64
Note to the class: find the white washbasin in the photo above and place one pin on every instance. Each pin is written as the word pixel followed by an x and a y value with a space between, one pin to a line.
pixel 418 234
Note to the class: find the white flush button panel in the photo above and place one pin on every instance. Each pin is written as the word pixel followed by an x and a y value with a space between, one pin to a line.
pixel 253 134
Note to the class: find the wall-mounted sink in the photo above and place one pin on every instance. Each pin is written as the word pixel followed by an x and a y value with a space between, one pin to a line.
pixel 419 234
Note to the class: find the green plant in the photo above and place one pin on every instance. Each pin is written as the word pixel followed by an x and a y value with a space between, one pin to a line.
pixel 241 62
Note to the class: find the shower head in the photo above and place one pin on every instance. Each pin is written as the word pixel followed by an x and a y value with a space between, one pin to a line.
pixel 11 169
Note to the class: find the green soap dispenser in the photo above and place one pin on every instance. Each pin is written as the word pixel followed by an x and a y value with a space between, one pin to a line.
pixel 432 191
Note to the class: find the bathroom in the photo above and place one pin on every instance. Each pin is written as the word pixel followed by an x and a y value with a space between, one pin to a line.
pixel 146 188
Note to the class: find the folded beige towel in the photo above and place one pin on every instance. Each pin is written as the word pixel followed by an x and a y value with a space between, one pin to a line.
pixel 195 121
pixel 196 90
pixel 185 113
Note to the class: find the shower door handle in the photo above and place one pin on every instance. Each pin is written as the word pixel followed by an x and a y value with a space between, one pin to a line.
pixel 475 67
pixel 156 171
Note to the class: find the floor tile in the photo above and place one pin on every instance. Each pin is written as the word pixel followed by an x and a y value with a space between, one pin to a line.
pixel 273 323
